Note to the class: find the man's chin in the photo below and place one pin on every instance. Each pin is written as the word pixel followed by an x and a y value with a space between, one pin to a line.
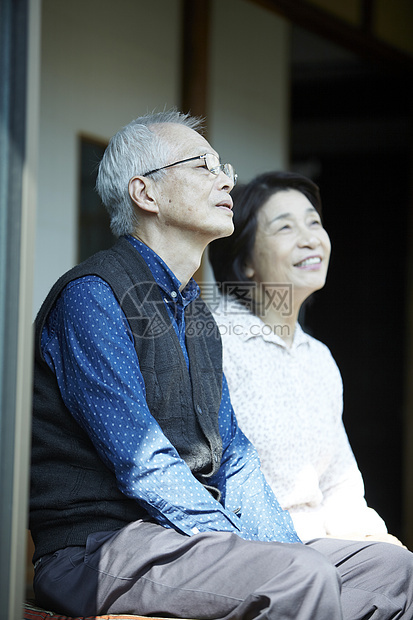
pixel 224 231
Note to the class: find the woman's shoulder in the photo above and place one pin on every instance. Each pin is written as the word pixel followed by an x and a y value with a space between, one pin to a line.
pixel 315 345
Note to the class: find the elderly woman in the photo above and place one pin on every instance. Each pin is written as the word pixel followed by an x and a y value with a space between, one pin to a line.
pixel 285 385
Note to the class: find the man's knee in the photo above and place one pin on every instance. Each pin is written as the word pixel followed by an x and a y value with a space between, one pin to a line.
pixel 314 566
pixel 393 560
pixel 310 584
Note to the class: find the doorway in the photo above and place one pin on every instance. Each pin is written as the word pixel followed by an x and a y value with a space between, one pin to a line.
pixel 350 133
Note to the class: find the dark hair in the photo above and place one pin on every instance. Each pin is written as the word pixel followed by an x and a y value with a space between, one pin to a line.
pixel 230 255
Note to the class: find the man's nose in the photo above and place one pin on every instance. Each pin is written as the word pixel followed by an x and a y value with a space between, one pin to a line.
pixel 225 182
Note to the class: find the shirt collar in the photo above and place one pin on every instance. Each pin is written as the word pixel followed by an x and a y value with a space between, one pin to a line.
pixel 253 326
pixel 164 277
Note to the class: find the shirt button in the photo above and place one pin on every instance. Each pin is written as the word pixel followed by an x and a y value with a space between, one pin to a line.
pixel 198 409
pixel 174 294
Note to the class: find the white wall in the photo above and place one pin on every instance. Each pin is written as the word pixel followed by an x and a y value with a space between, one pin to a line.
pixel 248 112
pixel 105 62
pixel 248 107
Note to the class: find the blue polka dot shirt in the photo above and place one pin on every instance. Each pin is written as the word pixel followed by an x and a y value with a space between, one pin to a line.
pixel 86 343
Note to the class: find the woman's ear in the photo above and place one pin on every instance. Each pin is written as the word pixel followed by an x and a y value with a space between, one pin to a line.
pixel 142 194
pixel 249 271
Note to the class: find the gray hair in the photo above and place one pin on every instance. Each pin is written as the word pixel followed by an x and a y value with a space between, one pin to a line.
pixel 134 150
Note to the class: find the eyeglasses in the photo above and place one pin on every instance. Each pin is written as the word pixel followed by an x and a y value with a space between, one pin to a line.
pixel 211 163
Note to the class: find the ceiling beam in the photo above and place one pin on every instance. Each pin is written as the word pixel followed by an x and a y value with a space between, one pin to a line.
pixel 195 56
pixel 356 39
pixel 367 15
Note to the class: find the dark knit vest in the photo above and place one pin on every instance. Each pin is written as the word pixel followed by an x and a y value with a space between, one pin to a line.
pixel 73 493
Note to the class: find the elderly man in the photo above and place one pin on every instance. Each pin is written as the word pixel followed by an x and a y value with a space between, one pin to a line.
pixel 146 498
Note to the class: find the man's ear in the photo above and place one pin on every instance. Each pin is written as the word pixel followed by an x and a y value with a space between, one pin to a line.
pixel 141 192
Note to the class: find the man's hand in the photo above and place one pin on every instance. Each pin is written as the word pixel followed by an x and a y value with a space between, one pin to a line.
pixel 389 538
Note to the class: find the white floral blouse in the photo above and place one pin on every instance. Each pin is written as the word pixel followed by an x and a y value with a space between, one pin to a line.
pixel 289 403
